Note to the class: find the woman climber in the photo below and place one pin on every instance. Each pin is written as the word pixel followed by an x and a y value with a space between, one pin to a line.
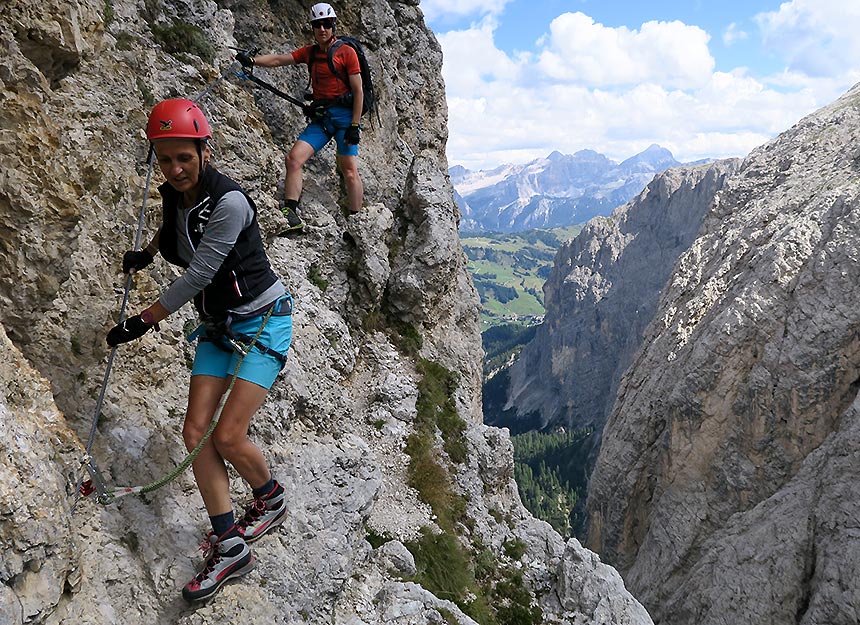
pixel 209 228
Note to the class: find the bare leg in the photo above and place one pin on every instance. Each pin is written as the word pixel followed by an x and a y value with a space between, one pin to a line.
pixel 210 472
pixel 228 442
pixel 231 433
pixel 354 188
pixel 296 159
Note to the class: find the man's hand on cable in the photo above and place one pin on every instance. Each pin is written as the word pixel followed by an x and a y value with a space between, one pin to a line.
pixel 130 329
pixel 352 135
pixel 244 57
pixel 135 260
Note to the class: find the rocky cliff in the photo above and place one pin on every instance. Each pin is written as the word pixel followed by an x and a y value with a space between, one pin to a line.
pixel 601 294
pixel 386 340
pixel 726 490
pixel 599 297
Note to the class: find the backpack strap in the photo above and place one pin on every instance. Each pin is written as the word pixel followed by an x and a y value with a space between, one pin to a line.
pixel 330 59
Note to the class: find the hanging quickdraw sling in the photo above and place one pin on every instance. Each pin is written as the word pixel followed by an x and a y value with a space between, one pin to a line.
pixel 316 111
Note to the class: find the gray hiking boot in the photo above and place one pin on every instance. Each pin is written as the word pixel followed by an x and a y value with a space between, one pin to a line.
pixel 226 558
pixel 264 514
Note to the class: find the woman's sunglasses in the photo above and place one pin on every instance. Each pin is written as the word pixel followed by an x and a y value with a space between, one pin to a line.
pixel 328 24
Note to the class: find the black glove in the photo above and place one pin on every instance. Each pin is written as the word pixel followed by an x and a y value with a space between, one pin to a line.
pixel 130 329
pixel 314 111
pixel 352 135
pixel 245 58
pixel 135 260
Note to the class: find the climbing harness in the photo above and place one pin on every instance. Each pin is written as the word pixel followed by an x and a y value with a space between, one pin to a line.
pixel 96 483
pixel 105 495
pixel 222 335
pixel 316 111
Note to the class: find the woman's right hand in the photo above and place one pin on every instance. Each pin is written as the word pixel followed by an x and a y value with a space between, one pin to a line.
pixel 135 260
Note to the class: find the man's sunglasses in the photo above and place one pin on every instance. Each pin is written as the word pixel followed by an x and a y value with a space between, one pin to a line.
pixel 328 24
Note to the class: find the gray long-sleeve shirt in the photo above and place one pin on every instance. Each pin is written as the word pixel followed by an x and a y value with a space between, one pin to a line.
pixel 231 215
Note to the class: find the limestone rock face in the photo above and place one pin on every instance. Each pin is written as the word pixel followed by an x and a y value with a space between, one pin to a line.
pixel 601 294
pixel 77 80
pixel 726 490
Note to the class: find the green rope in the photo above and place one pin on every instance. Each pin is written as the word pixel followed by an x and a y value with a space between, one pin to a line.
pixel 109 497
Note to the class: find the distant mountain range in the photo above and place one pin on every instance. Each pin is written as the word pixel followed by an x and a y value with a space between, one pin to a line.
pixel 559 190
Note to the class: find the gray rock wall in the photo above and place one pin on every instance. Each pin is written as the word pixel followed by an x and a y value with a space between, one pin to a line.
pixel 78 79
pixel 726 486
pixel 602 293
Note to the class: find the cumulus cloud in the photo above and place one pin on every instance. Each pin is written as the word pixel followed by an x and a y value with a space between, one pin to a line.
pixel 471 58
pixel 815 37
pixel 668 53
pixel 733 34
pixel 618 90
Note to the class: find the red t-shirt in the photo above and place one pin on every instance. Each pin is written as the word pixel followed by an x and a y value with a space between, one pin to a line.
pixel 325 85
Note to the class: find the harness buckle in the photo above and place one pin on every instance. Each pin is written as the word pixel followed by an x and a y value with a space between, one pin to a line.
pixel 239 347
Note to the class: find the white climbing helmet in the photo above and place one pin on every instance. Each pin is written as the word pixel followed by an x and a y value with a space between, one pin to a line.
pixel 322 10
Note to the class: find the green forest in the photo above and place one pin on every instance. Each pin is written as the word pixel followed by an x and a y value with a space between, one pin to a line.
pixel 509 271
pixel 549 469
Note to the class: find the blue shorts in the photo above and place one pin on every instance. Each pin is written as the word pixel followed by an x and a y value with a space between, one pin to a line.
pixel 317 134
pixel 220 359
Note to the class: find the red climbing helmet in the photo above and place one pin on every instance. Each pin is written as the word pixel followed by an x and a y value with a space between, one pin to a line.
pixel 177 119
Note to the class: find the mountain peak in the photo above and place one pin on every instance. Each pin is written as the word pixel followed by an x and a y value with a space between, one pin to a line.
pixel 654 156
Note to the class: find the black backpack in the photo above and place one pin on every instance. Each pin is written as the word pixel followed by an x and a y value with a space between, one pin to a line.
pixel 370 102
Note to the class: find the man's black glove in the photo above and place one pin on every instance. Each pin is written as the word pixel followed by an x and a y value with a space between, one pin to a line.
pixel 135 260
pixel 352 135
pixel 314 111
pixel 130 329
pixel 244 57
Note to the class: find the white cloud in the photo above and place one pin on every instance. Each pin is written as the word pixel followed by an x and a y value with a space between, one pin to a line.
pixel 615 90
pixel 669 53
pixel 471 58
pixel 733 34
pixel 815 37
pixel 436 9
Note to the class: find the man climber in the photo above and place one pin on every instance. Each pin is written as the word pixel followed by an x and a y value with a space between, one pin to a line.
pixel 335 111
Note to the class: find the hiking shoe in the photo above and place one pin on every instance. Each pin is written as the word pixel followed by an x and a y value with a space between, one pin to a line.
pixel 226 558
pixel 264 514
pixel 294 223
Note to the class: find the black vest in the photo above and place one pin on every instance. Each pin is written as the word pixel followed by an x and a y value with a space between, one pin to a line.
pixel 245 273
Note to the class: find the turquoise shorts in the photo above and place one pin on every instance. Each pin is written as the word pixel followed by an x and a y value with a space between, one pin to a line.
pixel 317 134
pixel 220 359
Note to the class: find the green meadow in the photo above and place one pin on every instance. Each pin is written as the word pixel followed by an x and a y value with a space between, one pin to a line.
pixel 510 269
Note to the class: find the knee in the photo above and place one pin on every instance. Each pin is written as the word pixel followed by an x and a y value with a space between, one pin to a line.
pixel 226 442
pixel 192 434
pixel 294 163
pixel 350 173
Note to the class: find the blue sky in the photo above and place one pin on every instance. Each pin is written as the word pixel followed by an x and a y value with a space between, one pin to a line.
pixel 703 78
